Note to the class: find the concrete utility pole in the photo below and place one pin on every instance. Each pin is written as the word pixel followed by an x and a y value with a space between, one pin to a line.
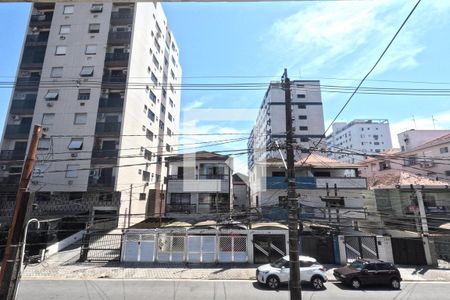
pixel 294 265
pixel 129 205
pixel 9 274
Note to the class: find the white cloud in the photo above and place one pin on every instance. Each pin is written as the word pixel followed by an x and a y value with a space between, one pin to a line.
pixel 345 38
pixel 442 121
pixel 193 105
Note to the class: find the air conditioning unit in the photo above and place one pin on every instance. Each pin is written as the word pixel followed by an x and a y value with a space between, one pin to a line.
pixel 16 117
pixel 49 104
pixel 61 37
pixel 45 129
pixel 73 154
pixel 34 182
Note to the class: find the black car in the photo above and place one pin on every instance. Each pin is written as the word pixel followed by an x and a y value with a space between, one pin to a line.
pixel 369 272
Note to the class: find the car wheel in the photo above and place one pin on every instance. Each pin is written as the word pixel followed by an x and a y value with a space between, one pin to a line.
pixel 395 284
pixel 317 283
pixel 356 284
pixel 273 282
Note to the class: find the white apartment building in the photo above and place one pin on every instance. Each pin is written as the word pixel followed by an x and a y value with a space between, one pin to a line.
pixel 270 126
pixel 363 136
pixel 101 78
pixel 413 138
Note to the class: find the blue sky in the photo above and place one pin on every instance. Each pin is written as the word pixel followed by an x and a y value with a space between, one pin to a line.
pixel 314 40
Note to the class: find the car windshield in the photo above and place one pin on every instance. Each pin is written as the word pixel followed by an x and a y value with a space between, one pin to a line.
pixel 278 263
pixel 358 265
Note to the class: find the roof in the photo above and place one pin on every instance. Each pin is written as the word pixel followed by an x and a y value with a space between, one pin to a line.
pixel 437 141
pixel 401 178
pixel 200 155
pixel 389 153
pixel 314 161
pixel 240 178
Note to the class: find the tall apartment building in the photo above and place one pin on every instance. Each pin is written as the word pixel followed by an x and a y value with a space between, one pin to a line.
pixel 364 136
pixel 270 127
pixel 102 81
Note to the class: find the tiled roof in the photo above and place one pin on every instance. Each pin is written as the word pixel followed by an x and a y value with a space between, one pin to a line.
pixel 402 178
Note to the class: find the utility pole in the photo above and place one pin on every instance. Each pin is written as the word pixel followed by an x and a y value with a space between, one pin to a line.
pixel 9 274
pixel 294 265
pixel 129 205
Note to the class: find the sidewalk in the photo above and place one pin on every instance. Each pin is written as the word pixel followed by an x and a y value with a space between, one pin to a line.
pixel 64 265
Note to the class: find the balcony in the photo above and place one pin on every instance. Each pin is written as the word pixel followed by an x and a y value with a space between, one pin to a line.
pixel 114 81
pixel 101 183
pixel 23 106
pixel 103 156
pixel 6 155
pixel 120 18
pixel 28 83
pixel 108 128
pixel 9 183
pixel 17 131
pixel 302 182
pixel 36 40
pixel 341 182
pixel 181 208
pixel 119 37
pixel 32 62
pixel 116 59
pixel 43 20
pixel 110 104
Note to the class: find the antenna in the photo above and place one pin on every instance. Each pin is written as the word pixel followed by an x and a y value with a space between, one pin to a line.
pixel 414 121
pixel 433 119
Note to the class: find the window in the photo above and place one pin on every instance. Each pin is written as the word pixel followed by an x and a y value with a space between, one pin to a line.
pixel 302 117
pixel 80 119
pixel 302 106
pixel 68 9
pixel 304 139
pixel 161 124
pixel 44 144
pixel 155 61
pixel 64 29
pixel 278 174
pixel 60 50
pixel 52 95
pixel 84 94
pixel 96 8
pixel 153 78
pixel 303 127
pixel 151 115
pixel 76 144
pixel 94 28
pixel 142 196
pixel 56 72
pixel 149 135
pixel 163 109
pixel 443 150
pixel 72 171
pixel 47 119
pixel 171 103
pixel 147 154
pixel 145 176
pixel 301 96
pixel 168 148
pixel 169 132
pixel 87 71
pixel 447 173
pixel 152 96
pixel 90 49
pixel 169 116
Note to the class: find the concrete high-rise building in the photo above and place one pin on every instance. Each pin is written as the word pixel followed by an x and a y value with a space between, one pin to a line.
pixel 363 136
pixel 103 81
pixel 270 127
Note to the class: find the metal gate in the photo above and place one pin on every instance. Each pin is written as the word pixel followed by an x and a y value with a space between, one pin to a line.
pixel 408 251
pixel 171 247
pixel 101 247
pixel 268 248
pixel 201 249
pixel 360 247
pixel 319 247
pixel 139 247
pixel 233 248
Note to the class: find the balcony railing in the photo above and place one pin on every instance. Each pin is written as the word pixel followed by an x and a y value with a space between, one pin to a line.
pixel 102 181
pixel 119 18
pixel 117 59
pixel 17 131
pixel 111 104
pixel 36 40
pixel 12 155
pixel 108 127
pixel 23 106
pixel 301 182
pixel 28 82
pixel 103 153
pixel 181 208
pixel 119 37
pixel 114 81
pixel 200 177
pixel 43 20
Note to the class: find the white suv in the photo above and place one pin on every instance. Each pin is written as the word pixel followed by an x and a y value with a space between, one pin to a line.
pixel 278 272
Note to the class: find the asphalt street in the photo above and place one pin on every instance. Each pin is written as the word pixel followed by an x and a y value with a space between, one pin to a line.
pixel 217 290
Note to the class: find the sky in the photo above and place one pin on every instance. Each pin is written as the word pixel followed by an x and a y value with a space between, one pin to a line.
pixel 336 42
